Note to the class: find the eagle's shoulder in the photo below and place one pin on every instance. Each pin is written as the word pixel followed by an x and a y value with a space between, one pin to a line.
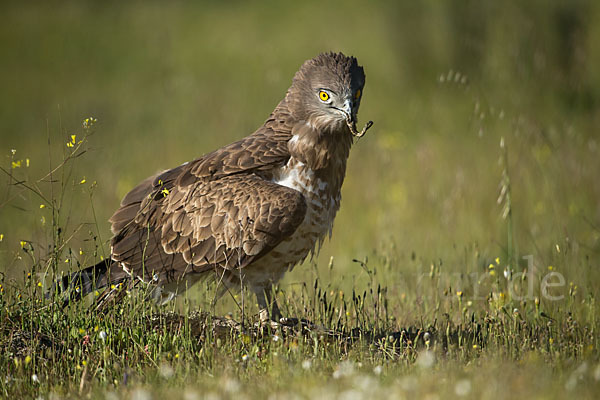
pixel 259 153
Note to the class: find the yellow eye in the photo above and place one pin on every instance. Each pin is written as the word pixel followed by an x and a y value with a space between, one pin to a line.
pixel 357 94
pixel 323 95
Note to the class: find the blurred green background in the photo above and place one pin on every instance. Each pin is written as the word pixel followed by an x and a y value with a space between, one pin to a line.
pixel 170 81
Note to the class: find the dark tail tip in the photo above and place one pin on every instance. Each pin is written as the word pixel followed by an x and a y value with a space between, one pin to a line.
pixel 78 284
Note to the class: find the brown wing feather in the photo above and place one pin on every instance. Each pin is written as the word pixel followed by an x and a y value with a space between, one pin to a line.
pixel 219 210
pixel 260 152
pixel 229 223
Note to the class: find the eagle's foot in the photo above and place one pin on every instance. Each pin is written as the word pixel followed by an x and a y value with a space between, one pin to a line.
pixel 269 325
pixel 285 321
pixel 274 319
pixel 270 316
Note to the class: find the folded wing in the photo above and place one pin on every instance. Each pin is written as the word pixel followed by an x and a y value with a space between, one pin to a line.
pixel 218 212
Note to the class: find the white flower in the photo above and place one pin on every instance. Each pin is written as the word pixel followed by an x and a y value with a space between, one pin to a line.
pixel 306 364
pixel 345 368
pixel 426 359
pixel 35 379
pixel 462 387
pixel 102 335
pixel 231 385
pixel 191 394
pixel 378 370
pixel 140 394
pixel 166 371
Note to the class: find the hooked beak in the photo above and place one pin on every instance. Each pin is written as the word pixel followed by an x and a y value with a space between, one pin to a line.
pixel 349 111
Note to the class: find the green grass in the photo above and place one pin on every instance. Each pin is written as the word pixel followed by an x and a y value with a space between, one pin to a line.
pixel 431 199
pixel 452 342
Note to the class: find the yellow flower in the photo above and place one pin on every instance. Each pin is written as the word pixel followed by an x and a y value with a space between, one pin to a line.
pixel 27 359
pixel 550 340
pixel 40 284
pixel 550 267
pixel 497 260
pixel 27 162
pixel 89 122
pixel 82 181
pixel 1 237
pixel 459 294
pixel 491 266
pixel 16 164
pixel 492 272
pixel 23 243
pixel 42 206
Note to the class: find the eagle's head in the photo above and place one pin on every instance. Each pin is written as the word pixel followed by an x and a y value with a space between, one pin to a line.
pixel 326 92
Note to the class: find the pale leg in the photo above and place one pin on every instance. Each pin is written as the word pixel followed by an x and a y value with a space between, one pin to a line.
pixel 266 302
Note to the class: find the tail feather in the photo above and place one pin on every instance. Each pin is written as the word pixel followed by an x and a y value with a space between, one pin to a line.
pixel 78 284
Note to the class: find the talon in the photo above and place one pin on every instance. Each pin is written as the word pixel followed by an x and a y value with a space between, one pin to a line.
pixel 289 321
